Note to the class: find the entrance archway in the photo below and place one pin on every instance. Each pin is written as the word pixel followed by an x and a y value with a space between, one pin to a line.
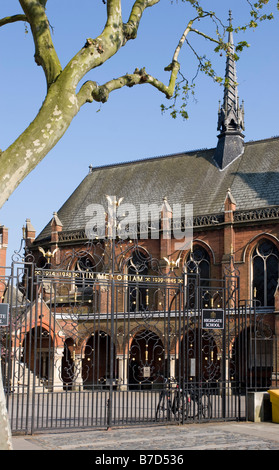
pixel 146 360
pixel 199 358
pixel 251 359
pixel 38 353
pixel 96 364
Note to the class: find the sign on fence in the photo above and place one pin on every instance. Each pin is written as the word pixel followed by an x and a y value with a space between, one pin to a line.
pixel 4 314
pixel 212 319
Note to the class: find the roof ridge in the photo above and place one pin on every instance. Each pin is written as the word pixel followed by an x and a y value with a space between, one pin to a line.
pixel 274 137
pixel 139 160
pixel 176 154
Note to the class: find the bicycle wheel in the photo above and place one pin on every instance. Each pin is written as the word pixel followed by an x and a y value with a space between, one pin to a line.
pixel 163 409
pixel 180 408
pixel 205 408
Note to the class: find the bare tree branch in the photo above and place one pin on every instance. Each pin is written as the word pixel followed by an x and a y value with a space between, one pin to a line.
pixel 13 19
pixel 90 91
pixel 210 38
pixel 131 27
pixel 45 54
pixel 114 14
pixel 62 102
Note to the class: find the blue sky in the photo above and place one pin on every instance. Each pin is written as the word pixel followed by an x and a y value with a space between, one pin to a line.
pixel 130 125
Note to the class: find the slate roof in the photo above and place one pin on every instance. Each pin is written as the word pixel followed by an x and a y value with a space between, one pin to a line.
pixel 185 178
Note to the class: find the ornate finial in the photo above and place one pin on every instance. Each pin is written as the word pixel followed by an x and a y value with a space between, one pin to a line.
pixel 230 115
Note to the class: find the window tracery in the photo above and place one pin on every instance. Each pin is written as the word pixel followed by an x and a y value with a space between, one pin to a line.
pixel 265 264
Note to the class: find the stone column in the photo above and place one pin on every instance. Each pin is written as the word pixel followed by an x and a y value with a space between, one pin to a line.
pixel 77 382
pixel 172 365
pixel 57 369
pixel 122 371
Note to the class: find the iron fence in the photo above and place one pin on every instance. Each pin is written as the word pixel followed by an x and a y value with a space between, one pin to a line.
pixel 107 349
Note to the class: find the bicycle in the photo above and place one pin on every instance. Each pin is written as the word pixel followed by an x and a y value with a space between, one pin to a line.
pixel 168 402
pixel 190 404
pixel 198 403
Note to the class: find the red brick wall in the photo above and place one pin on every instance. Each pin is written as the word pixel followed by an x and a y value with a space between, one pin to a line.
pixel 222 242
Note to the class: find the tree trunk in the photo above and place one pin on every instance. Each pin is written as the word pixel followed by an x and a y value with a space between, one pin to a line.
pixel 5 432
pixel 53 119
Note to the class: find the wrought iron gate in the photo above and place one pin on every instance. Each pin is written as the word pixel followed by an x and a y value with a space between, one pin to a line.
pixel 102 349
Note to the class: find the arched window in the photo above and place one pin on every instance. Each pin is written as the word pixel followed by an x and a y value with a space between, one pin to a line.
pixel 198 261
pixel 85 267
pixel 137 266
pixel 43 263
pixel 265 263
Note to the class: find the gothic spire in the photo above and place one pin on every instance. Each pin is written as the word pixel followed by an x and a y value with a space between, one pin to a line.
pixel 230 114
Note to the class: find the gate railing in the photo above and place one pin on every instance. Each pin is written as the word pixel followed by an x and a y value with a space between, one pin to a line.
pixel 116 350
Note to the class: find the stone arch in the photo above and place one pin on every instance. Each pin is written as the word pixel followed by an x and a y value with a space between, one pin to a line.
pixel 90 331
pixel 198 242
pixel 263 269
pixel 199 355
pixel 146 359
pixel 251 358
pixel 96 361
pixel 141 252
pixel 250 245
pixel 37 351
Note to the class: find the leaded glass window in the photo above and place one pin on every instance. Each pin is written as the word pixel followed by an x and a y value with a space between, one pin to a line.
pixel 265 263
pixel 85 268
pixel 137 266
pixel 198 262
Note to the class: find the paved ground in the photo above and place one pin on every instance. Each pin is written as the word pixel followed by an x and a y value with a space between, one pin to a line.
pixel 212 436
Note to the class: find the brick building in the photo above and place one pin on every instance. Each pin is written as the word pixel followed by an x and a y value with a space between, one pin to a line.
pixel 233 190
